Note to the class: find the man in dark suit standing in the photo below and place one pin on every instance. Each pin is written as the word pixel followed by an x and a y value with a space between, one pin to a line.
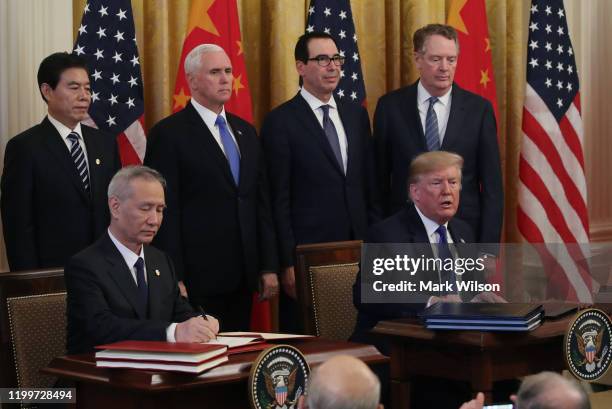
pixel 319 163
pixel 218 227
pixel 434 114
pixel 120 288
pixel 56 173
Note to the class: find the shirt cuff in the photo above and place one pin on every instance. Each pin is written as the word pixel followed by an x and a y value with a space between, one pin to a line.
pixel 170 332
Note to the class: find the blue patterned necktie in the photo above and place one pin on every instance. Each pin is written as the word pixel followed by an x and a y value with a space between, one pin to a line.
pixel 444 254
pixel 231 150
pixel 432 134
pixel 78 157
pixel 332 135
pixel 143 290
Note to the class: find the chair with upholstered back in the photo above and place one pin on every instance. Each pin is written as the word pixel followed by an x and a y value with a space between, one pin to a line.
pixel 33 326
pixel 325 273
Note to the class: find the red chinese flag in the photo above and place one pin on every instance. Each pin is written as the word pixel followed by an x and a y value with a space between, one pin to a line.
pixel 475 67
pixel 216 22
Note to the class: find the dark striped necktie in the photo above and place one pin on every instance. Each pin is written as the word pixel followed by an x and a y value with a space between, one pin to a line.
pixel 432 135
pixel 78 156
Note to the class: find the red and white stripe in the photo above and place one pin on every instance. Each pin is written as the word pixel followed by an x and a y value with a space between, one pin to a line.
pixel 553 195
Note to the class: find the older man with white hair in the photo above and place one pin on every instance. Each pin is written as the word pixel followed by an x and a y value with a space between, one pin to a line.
pixel 218 227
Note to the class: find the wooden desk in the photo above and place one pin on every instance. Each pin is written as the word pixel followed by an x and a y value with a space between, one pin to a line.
pixel 480 358
pixel 222 387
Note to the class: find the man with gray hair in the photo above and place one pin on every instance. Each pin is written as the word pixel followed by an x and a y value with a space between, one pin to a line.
pixel 218 227
pixel 342 382
pixel 545 390
pixel 120 287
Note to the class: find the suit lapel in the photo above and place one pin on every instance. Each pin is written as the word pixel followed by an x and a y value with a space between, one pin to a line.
pixel 313 128
pixel 351 129
pixel 57 147
pixel 155 270
pixel 122 276
pixel 207 141
pixel 455 118
pixel 411 109
pixel 416 230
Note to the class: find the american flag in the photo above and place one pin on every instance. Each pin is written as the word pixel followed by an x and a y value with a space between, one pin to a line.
pixel 335 18
pixel 107 39
pixel 552 187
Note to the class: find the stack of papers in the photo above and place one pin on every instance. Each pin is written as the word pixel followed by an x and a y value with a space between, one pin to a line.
pixel 178 356
pixel 483 316
pixel 239 342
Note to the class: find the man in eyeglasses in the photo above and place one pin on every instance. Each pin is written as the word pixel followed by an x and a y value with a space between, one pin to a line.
pixel 321 173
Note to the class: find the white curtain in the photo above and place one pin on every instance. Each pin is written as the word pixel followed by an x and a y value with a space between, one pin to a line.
pixel 29 31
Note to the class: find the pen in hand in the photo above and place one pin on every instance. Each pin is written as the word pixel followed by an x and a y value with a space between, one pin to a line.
pixel 202 313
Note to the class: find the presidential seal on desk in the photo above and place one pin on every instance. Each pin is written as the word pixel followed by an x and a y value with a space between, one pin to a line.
pixel 279 376
pixel 588 345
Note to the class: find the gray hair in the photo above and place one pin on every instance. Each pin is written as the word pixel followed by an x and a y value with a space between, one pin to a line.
pixel 119 185
pixel 321 396
pixel 535 392
pixel 193 60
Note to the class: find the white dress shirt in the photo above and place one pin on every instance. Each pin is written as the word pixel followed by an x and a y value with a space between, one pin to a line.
pixel 315 104
pixel 442 108
pixel 64 131
pixel 130 259
pixel 209 117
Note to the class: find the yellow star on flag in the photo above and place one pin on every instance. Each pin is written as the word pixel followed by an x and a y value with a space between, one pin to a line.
pixel 199 17
pixel 180 100
pixel 237 84
pixel 454 18
pixel 239 44
pixel 487 44
pixel 484 77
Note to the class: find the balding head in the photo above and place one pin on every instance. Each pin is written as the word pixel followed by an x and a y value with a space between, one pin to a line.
pixel 549 390
pixel 343 382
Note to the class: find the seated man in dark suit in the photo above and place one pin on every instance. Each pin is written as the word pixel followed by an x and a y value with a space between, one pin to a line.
pixel 434 187
pixel 121 288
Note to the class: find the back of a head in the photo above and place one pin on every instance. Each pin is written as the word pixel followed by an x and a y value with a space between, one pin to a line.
pixel 343 382
pixel 549 390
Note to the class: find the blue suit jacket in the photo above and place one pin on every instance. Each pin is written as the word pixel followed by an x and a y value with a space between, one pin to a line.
pixel 313 200
pixel 471 132
pixel 101 306
pixel 403 227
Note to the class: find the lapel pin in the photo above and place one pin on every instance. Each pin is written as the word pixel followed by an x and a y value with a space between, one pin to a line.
pixel 157 273
pixel 98 161
pixel 239 132
pixel 462 241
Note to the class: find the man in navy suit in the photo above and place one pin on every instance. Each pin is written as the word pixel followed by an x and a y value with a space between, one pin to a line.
pixel 56 173
pixel 322 175
pixel 218 227
pixel 435 183
pixel 120 288
pixel 434 114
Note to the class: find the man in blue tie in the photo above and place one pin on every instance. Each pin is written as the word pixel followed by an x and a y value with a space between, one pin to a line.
pixel 320 163
pixel 120 287
pixel 218 226
pixel 435 113
pixel 434 187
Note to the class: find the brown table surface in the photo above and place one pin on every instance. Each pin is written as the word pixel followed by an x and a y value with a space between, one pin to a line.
pixel 83 370
pixel 479 357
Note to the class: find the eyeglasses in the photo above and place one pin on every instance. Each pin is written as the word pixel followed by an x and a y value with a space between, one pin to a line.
pixel 325 60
